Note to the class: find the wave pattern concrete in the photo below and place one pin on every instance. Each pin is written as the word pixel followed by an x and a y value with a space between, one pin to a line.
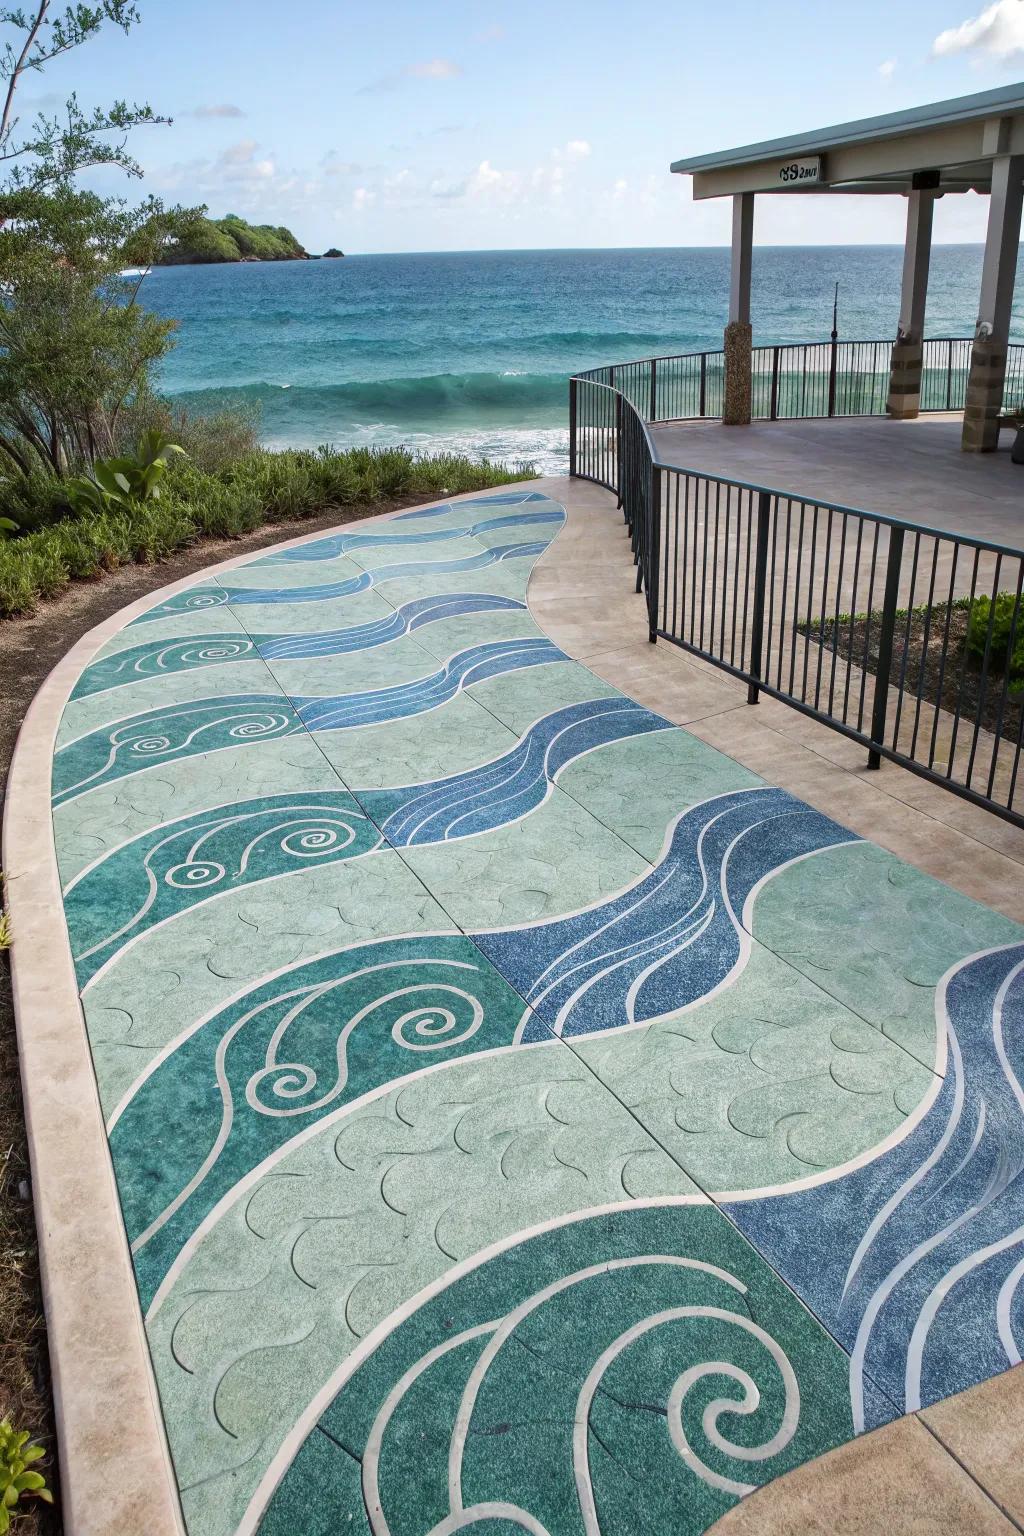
pixel 512 1130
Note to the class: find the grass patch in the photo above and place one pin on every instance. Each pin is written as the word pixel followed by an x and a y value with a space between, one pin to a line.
pixel 215 493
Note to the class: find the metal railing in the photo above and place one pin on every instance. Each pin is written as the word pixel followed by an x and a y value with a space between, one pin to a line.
pixel 899 636
pixel 803 379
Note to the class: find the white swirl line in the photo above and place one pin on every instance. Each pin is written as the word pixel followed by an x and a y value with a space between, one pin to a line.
pixel 305 996
pixel 515 1317
pixel 711 1415
pixel 998 1036
pixel 1004 1311
pixel 928 1313
pixel 375 1439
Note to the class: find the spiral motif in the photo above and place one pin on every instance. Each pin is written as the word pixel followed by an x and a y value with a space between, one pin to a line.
pixel 205 600
pixel 262 725
pixel 149 746
pixel 429 1026
pixel 221 650
pixel 313 842
pixel 437 1028
pixel 195 874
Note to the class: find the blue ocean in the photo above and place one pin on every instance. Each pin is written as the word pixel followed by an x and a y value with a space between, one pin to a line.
pixel 470 351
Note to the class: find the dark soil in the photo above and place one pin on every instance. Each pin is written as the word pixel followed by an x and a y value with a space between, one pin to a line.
pixel 29 648
pixel 918 646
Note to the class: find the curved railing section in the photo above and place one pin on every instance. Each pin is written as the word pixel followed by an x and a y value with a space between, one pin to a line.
pixel 802 379
pixel 903 638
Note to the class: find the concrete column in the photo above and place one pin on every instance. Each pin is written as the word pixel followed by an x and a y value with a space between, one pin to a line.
pixel 908 351
pixel 738 335
pixel 988 354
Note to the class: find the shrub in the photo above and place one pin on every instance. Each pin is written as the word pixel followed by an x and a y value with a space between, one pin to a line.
pixel 213 442
pixel 257 487
pixel 991 627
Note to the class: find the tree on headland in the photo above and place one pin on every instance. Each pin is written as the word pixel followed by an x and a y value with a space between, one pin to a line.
pixel 75 345
pixel 232 239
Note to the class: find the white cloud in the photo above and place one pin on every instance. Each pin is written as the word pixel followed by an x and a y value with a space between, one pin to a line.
pixel 577 149
pixel 223 109
pixel 362 197
pixel 434 69
pixel 492 34
pixel 424 69
pixel 887 69
pixel 997 31
pixel 333 165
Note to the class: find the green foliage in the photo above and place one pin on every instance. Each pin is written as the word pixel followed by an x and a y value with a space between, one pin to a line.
pixel 113 485
pixel 75 345
pixel 991 627
pixel 231 239
pixel 17 1477
pixel 53 150
pixel 253 489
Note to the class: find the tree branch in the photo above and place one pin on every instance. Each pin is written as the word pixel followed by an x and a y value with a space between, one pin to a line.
pixel 18 70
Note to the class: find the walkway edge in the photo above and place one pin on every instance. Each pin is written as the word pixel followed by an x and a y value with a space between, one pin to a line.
pixel 116 1474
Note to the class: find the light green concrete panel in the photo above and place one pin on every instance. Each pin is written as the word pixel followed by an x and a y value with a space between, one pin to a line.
pixel 520 698
pixel 180 971
pixel 770 1081
pixel 876 934
pixel 507 578
pixel 383 666
pixel 343 1229
pixel 175 626
pixel 100 820
pixel 458 735
pixel 314 616
pixel 264 575
pixel 395 552
pixel 554 861
pixel 639 786
pixel 164 691
pixel 449 636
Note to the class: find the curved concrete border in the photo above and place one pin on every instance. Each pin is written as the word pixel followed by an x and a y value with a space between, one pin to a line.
pixel 116 1474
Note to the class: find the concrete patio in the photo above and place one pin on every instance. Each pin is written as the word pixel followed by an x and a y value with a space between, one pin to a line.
pixel 908 469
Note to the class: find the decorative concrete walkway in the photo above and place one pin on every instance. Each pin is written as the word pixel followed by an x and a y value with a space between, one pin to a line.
pixel 524 1117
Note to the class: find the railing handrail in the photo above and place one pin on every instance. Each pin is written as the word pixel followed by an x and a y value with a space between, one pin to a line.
pixel 762 346
pixel 887 519
pixel 613 445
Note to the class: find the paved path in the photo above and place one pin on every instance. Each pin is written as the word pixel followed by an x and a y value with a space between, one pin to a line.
pixel 524 1117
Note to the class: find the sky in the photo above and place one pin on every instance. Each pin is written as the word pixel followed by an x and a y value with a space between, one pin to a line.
pixel 398 125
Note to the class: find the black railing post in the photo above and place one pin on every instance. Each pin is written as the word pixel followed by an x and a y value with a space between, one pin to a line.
pixel 832 377
pixel 775 384
pixel 654 555
pixel 879 709
pixel 703 384
pixel 572 427
pixel 764 511
pixel 618 448
pixel 652 416
pixel 949 377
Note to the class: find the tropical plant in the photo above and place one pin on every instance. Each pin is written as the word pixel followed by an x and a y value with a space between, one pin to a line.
pixel 17 1479
pixel 75 345
pixel 113 485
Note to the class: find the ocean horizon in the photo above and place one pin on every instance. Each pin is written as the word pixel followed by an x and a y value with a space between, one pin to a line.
pixel 470 351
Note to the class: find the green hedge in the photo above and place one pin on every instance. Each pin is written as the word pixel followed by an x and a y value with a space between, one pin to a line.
pixel 262 487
